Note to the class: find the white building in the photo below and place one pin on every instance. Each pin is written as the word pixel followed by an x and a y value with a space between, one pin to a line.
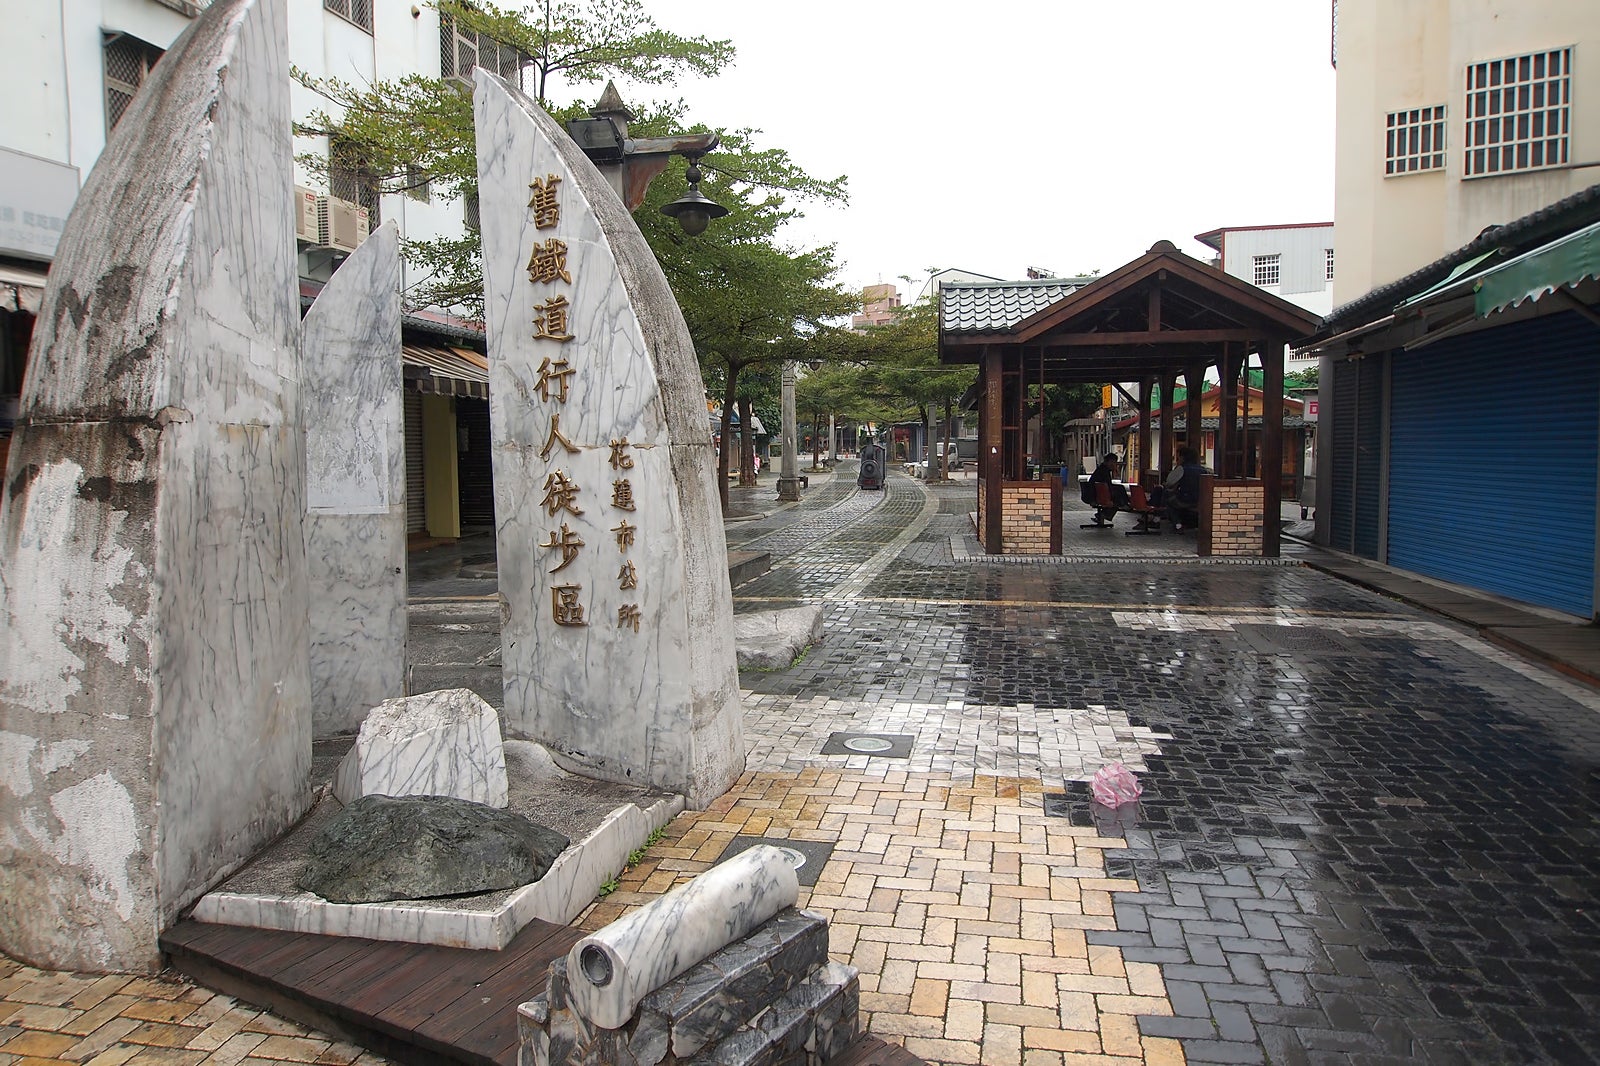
pixel 74 67
pixel 1455 115
pixel 1294 261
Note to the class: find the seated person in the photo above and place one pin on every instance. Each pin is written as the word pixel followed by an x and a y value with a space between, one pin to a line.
pixel 1183 490
pixel 1106 473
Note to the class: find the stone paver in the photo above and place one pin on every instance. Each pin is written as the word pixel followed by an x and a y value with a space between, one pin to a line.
pixel 1366 836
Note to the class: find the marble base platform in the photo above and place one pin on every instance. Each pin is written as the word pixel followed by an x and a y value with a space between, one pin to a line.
pixel 606 821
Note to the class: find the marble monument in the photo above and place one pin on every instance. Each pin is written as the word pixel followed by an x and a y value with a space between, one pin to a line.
pixel 617 632
pixel 355 487
pixel 154 685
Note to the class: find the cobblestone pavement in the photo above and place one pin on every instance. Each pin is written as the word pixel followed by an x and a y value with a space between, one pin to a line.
pixel 1365 836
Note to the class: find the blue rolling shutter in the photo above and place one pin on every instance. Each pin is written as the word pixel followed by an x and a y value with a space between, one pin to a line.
pixel 1492 461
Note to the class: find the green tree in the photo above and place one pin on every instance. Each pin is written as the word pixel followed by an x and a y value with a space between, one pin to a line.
pixel 906 377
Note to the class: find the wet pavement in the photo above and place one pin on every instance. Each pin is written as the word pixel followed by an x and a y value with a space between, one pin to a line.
pixel 1371 836
pixel 1367 834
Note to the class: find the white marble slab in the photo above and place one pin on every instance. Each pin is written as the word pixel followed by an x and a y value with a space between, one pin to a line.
pixel 444 743
pixel 154 686
pixel 355 487
pixel 559 897
pixel 612 970
pixel 645 689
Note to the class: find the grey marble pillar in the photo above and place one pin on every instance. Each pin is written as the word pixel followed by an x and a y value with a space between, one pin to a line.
pixel 154 718
pixel 617 618
pixel 355 487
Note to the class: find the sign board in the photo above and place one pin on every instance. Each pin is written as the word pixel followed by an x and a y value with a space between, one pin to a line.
pixel 1311 410
pixel 35 197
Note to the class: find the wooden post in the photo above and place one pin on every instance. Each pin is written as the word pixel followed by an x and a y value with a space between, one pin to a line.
pixel 1194 431
pixel 1145 385
pixel 1227 382
pixel 1169 382
pixel 990 460
pixel 1272 443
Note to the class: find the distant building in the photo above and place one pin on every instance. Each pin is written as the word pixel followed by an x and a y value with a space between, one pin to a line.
pixel 948 276
pixel 879 303
pixel 1294 261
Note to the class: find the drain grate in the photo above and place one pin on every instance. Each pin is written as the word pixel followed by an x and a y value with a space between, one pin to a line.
pixel 881 745
pixel 1294 640
pixel 808 857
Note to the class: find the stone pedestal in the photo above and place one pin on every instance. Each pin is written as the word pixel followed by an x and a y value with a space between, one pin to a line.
pixel 154 719
pixel 617 618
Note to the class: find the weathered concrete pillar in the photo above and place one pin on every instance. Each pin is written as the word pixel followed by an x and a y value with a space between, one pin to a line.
pixel 616 614
pixel 154 718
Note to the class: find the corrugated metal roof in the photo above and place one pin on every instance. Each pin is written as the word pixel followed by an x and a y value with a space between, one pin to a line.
pixel 995 306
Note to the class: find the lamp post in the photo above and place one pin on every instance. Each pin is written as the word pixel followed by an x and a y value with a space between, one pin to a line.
pixel 630 164
pixel 789 470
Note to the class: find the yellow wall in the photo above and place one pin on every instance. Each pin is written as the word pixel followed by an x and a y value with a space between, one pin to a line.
pixel 1399 54
pixel 441 491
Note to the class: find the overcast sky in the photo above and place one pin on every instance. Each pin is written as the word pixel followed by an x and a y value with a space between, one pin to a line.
pixel 993 136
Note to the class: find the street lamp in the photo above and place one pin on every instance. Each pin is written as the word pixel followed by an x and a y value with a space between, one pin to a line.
pixel 630 164
pixel 693 210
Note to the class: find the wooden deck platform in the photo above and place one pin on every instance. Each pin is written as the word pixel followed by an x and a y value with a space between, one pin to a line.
pixel 414 1003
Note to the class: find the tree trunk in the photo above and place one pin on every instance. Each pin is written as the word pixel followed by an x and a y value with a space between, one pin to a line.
pixel 927 439
pixel 944 451
pixel 816 440
pixel 747 443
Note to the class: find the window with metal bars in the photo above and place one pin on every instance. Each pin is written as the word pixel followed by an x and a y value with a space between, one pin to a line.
pixel 1519 112
pixel 356 12
pixel 1328 265
pixel 461 49
pixel 469 206
pixel 128 62
pixel 1414 141
pixel 418 187
pixel 349 178
pixel 1267 269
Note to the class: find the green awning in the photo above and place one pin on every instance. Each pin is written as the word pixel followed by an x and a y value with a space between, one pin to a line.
pixel 1462 270
pixel 1567 261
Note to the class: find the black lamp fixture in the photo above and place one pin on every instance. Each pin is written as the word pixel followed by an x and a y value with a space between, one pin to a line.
pixel 694 210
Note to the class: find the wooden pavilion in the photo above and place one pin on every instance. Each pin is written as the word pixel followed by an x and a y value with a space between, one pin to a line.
pixel 1160 316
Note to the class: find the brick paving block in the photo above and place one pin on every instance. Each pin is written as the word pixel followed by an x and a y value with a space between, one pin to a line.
pixel 162 1034
pixel 292 1048
pixel 109 1033
pixel 35 1044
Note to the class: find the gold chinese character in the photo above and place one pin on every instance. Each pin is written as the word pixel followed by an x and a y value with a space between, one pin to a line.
pixel 555 434
pixel 550 323
pixel 546 208
pixel 620 459
pixel 560 492
pixel 626 614
pixel 556 372
pixel 628 576
pixel 622 494
pixel 549 262
pixel 569 543
pixel 564 605
pixel 624 534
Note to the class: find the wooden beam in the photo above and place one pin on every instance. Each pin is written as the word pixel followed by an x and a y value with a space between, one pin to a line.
pixel 1157 336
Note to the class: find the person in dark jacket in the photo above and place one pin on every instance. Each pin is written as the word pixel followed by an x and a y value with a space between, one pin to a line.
pixel 1106 473
pixel 1183 490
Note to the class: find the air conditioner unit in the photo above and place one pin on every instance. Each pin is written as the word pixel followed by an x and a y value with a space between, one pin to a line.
pixel 307 217
pixel 343 224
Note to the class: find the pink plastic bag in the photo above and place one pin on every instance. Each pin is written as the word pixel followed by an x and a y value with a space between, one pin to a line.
pixel 1114 785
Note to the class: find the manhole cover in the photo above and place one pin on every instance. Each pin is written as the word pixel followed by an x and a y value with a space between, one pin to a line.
pixel 877 745
pixel 1293 640
pixel 808 857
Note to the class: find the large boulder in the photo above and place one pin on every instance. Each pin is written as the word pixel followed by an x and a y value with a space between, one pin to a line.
pixel 770 640
pixel 444 743
pixel 424 847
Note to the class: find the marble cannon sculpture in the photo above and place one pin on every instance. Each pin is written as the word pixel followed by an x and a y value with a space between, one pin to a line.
pixel 723 966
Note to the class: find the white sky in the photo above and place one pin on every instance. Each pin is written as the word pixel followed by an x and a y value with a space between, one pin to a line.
pixel 994 136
